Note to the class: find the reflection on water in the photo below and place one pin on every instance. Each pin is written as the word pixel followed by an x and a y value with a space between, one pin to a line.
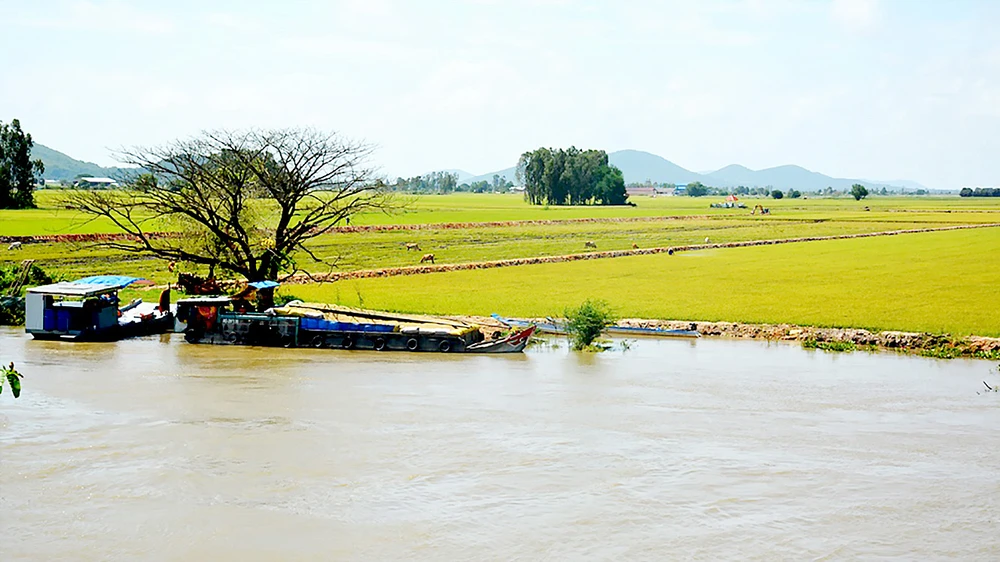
pixel 717 449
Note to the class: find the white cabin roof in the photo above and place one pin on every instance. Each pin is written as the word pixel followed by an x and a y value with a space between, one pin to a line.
pixel 68 289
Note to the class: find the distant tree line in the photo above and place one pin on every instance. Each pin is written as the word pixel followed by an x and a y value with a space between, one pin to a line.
pixel 434 182
pixel 447 182
pixel 570 177
pixel 697 189
pixel 980 192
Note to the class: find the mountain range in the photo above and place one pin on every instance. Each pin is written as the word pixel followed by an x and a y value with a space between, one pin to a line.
pixel 638 166
pixel 61 167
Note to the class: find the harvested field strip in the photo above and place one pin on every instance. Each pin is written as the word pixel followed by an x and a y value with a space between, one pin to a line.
pixel 421 269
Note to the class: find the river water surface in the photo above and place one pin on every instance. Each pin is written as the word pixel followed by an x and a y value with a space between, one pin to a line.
pixel 155 449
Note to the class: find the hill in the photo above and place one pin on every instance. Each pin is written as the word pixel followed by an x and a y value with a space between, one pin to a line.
pixel 59 166
pixel 639 166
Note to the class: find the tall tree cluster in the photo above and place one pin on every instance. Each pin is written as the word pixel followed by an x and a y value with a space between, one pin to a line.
pixel 980 192
pixel 18 172
pixel 570 177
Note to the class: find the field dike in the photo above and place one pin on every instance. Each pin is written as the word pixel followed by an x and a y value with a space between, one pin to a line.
pixel 422 269
pixel 114 236
pixel 833 339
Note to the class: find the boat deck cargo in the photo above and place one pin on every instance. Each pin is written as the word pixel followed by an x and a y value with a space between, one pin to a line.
pixel 222 320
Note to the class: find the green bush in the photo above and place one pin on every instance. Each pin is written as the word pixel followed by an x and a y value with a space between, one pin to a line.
pixel 36 276
pixel 12 306
pixel 11 311
pixel 587 321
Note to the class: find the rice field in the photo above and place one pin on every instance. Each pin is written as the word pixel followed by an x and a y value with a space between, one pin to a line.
pixel 941 282
pixel 937 282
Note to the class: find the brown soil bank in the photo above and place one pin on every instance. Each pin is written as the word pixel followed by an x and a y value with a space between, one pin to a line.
pixel 844 339
pixel 838 339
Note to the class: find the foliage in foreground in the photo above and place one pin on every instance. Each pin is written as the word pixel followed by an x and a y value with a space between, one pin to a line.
pixel 586 322
pixel 11 377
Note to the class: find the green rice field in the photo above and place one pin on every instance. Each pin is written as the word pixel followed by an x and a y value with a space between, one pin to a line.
pixel 941 282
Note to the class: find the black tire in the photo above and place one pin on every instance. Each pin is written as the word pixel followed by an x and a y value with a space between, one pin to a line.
pixel 412 344
pixel 445 346
pixel 287 341
pixel 379 344
pixel 347 343
pixel 318 341
pixel 231 337
pixel 192 337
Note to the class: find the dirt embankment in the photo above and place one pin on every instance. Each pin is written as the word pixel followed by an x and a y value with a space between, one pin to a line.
pixel 115 236
pixel 838 339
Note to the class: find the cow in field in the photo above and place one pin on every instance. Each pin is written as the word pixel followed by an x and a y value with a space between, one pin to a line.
pixel 635 246
pixel 427 258
pixel 14 246
pixel 412 246
pixel 590 244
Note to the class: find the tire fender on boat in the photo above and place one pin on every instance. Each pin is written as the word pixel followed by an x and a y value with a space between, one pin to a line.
pixel 379 344
pixel 412 344
pixel 445 346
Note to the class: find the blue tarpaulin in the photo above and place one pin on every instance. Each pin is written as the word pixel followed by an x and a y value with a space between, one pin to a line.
pixel 110 280
pixel 259 285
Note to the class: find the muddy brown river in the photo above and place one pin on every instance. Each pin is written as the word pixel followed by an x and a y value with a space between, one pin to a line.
pixel 155 449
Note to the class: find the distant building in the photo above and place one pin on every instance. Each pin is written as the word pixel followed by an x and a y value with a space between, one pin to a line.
pixel 642 190
pixel 95 183
pixel 649 190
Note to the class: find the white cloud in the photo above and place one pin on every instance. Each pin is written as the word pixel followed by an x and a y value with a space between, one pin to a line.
pixel 108 17
pixel 856 15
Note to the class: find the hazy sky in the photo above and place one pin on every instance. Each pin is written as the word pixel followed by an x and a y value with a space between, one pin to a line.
pixel 877 89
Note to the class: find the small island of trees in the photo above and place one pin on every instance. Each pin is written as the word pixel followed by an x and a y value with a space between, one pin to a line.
pixel 570 177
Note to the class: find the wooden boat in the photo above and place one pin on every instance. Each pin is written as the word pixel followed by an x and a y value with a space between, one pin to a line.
pixel 88 309
pixel 224 320
pixel 553 327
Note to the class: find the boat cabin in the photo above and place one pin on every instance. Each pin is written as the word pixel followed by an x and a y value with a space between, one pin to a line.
pixel 74 308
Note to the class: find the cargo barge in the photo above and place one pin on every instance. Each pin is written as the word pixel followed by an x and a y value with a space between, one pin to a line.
pixel 229 321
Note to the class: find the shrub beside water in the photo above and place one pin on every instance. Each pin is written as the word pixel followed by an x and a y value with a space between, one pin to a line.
pixel 586 322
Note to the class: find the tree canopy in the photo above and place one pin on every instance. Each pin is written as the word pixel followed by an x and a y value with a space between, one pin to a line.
pixel 18 172
pixel 571 176
pixel 244 201
pixel 859 192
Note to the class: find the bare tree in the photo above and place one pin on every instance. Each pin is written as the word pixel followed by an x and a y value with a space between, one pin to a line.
pixel 242 201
